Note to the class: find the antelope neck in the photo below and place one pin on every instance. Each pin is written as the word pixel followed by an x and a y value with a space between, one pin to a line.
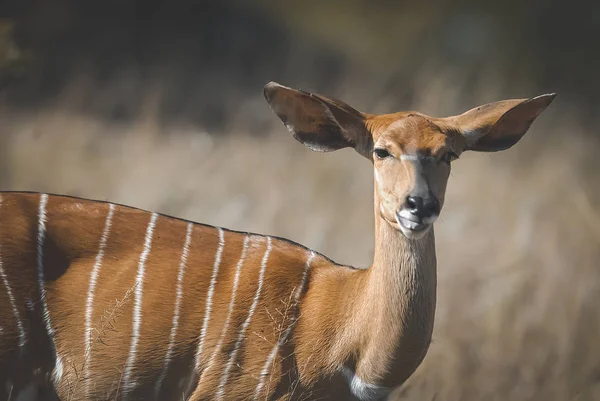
pixel 397 305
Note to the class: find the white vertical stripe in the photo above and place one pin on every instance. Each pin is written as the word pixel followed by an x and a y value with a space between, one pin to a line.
pixel 13 305
pixel 242 333
pixel 179 294
pixel 11 298
pixel 288 331
pixel 209 297
pixel 58 368
pixel 137 305
pixel 89 306
pixel 236 281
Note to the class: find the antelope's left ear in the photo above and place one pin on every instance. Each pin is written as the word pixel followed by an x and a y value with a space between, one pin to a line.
pixel 499 125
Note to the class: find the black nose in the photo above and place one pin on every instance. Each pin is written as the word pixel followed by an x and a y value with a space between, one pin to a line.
pixel 422 207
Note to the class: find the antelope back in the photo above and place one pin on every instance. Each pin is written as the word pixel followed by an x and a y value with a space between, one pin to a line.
pixel 106 301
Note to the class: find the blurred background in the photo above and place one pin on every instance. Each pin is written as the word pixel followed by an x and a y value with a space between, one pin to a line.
pixel 158 104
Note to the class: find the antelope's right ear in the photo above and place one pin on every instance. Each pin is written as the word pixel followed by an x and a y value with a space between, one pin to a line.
pixel 320 123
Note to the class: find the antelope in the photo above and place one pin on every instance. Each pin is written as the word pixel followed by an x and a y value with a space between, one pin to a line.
pixel 105 301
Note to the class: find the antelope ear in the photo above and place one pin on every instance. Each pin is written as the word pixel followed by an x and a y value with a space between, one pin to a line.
pixel 320 123
pixel 499 125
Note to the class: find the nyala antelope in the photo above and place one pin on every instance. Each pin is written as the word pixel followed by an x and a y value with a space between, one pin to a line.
pixel 101 301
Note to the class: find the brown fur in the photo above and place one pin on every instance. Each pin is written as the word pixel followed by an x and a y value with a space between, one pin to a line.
pixel 375 322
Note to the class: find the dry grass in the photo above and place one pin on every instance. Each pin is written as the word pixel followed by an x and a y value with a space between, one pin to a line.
pixel 518 241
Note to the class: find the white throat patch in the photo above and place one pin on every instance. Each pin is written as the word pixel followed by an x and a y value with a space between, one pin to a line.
pixel 362 390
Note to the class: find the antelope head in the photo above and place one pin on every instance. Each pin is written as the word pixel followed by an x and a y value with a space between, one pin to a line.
pixel 411 152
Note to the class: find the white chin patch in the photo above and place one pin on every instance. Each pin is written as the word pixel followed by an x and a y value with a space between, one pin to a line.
pixel 411 225
pixel 411 229
pixel 414 234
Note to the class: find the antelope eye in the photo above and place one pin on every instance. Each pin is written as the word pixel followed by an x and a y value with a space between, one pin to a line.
pixel 449 157
pixel 381 153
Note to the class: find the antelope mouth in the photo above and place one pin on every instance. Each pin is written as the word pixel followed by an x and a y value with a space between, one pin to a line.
pixel 412 229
